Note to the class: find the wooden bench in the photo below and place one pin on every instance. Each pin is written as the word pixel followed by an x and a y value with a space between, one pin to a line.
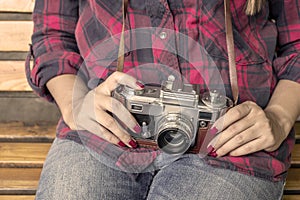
pixel 27 123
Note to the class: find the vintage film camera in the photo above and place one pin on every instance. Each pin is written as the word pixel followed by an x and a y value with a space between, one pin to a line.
pixel 171 117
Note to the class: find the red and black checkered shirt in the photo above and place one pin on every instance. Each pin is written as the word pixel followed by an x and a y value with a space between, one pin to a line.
pixel 171 37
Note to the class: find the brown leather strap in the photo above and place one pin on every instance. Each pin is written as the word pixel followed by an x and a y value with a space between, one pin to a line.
pixel 120 62
pixel 231 53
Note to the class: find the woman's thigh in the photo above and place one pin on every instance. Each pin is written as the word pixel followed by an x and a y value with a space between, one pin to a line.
pixel 190 178
pixel 70 172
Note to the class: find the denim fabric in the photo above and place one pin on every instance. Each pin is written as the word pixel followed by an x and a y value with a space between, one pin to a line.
pixel 71 172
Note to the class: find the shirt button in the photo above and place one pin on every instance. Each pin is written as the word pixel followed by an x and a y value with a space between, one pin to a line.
pixel 163 35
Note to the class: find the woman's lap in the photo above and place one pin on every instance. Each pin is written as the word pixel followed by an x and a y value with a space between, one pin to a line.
pixel 70 172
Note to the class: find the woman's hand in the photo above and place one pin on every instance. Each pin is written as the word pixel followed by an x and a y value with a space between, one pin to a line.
pixel 247 128
pixel 244 129
pixel 94 110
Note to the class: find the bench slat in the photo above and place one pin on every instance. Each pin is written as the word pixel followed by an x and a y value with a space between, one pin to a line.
pixel 297 130
pixel 18 132
pixel 15 35
pixel 19 180
pixel 17 197
pixel 23 154
pixel 293 181
pixel 12 76
pixel 16 5
pixel 296 155
pixel 291 197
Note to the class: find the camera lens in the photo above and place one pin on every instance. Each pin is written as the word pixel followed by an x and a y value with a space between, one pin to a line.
pixel 175 134
pixel 173 141
pixel 173 137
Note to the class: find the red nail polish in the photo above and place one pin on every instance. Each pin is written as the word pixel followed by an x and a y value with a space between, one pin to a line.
pixel 210 149
pixel 141 85
pixel 213 154
pixel 121 144
pixel 137 129
pixel 133 144
pixel 213 131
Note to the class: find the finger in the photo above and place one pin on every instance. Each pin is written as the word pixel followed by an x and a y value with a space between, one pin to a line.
pixel 234 114
pixel 95 128
pixel 115 79
pixel 233 131
pixel 248 148
pixel 237 141
pixel 118 109
pixel 112 125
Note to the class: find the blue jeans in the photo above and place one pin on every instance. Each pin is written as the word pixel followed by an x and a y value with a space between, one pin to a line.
pixel 71 172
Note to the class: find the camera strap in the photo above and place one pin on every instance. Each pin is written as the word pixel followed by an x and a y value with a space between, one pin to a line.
pixel 229 43
pixel 120 62
pixel 231 53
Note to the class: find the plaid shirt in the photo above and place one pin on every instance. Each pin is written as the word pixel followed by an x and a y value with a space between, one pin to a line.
pixel 72 36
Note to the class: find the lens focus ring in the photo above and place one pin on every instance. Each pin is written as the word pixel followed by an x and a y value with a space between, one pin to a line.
pixel 175 134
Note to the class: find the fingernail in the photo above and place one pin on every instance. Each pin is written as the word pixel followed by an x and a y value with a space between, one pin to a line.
pixel 121 144
pixel 210 149
pixel 133 144
pixel 137 129
pixel 213 131
pixel 213 154
pixel 141 85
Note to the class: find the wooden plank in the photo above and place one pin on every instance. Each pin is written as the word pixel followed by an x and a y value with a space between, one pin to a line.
pixel 16 5
pixel 296 155
pixel 15 35
pixel 26 107
pixel 23 154
pixel 297 129
pixel 13 55
pixel 12 76
pixel 18 132
pixel 7 16
pixel 19 181
pixel 17 197
pixel 291 197
pixel 293 181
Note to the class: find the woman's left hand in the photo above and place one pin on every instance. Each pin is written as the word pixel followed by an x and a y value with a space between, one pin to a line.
pixel 245 129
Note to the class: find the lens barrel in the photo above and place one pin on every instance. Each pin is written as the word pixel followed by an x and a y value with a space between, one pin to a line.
pixel 175 134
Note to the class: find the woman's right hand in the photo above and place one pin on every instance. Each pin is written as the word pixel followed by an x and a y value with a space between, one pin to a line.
pixel 94 110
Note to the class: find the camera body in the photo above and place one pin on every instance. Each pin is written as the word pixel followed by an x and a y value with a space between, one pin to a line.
pixel 170 116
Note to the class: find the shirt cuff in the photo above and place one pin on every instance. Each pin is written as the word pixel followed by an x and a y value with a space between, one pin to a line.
pixel 48 66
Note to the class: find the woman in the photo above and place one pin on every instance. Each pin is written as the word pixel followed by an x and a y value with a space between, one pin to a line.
pixel 75 47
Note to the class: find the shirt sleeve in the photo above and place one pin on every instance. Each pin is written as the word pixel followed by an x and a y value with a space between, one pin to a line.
pixel 54 46
pixel 287 18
